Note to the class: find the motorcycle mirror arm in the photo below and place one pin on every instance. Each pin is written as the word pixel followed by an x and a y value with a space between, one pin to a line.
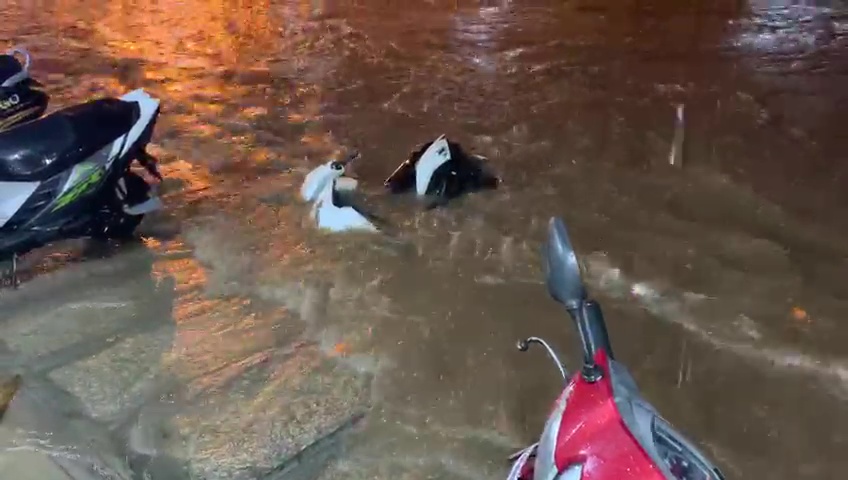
pixel 589 318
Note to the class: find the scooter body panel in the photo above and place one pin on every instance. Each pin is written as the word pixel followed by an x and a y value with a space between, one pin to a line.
pixel 593 434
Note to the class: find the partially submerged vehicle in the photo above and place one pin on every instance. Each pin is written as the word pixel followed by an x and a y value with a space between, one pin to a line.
pixel 22 98
pixel 441 171
pixel 323 187
pixel 68 174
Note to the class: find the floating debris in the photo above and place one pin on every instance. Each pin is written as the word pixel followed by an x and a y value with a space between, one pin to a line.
pixel 675 156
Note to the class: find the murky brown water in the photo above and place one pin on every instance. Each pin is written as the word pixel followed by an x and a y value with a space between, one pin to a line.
pixel 272 333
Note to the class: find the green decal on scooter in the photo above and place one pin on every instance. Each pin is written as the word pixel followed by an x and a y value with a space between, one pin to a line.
pixel 81 188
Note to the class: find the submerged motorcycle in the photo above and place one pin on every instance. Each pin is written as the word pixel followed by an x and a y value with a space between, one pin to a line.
pixel 441 171
pixel 21 97
pixel 68 174
pixel 601 428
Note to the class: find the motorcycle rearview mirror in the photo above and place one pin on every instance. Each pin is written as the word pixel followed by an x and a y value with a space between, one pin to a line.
pixel 566 287
pixel 562 272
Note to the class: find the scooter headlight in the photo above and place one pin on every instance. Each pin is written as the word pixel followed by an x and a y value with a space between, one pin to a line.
pixel 678 456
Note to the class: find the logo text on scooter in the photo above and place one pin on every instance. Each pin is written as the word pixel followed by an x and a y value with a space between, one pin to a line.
pixel 10 102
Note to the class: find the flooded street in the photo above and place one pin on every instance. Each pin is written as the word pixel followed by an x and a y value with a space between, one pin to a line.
pixel 236 342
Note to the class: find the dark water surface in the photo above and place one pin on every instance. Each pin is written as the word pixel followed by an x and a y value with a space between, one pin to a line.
pixel 246 335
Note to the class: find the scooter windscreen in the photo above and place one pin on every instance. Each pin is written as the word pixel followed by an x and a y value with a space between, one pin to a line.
pixel 673 454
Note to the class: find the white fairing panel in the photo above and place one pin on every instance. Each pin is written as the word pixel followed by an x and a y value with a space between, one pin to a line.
pixel 437 154
pixel 316 182
pixel 148 106
pixel 545 467
pixel 331 217
pixel 12 197
pixel 318 187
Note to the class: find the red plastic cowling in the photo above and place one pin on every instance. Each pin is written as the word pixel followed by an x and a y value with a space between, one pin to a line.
pixel 593 433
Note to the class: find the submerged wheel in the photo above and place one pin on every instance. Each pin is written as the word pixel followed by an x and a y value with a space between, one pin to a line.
pixel 122 225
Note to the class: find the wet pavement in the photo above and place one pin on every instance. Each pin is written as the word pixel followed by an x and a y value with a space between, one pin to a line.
pixel 233 341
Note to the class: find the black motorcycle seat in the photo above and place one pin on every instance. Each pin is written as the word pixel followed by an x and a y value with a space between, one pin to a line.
pixel 39 149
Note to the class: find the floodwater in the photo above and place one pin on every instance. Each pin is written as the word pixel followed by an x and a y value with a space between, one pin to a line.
pixel 236 342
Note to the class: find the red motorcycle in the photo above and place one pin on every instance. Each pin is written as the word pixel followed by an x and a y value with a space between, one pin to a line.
pixel 601 428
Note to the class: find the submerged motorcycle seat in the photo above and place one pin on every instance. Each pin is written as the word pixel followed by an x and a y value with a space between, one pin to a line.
pixel 37 150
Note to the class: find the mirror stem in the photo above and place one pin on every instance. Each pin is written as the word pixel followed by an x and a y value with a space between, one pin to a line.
pixel 598 326
pixel 593 336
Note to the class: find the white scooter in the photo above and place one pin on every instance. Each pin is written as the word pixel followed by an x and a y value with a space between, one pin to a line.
pixel 321 188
